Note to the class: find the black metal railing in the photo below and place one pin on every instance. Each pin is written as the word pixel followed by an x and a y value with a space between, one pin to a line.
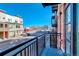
pixel 53 39
pixel 24 47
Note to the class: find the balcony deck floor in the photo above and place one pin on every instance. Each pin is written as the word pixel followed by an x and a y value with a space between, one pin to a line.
pixel 48 51
pixel 52 52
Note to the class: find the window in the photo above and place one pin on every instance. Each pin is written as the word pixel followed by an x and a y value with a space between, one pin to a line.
pixel 68 25
pixel 6 25
pixel 1 25
pixel 3 17
pixel 17 26
pixel 16 22
pixel 77 25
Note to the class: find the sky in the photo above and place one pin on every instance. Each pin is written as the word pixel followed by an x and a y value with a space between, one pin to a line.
pixel 33 14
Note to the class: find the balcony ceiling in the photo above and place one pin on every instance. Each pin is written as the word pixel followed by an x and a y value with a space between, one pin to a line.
pixel 49 4
pixel 54 5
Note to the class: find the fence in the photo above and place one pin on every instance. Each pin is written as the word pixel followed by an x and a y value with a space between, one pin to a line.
pixel 26 47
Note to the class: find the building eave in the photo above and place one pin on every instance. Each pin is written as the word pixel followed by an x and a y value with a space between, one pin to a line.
pixel 54 5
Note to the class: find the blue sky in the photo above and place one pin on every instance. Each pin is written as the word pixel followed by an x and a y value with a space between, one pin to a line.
pixel 33 14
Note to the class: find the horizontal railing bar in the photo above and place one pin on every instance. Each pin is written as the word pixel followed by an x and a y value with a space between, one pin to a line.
pixel 20 46
pixel 14 47
pixel 53 33
pixel 16 51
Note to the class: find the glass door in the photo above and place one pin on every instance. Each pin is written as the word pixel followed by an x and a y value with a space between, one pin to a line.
pixel 77 29
pixel 68 29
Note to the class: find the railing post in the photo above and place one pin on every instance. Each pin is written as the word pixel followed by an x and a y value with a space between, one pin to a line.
pixel 21 53
pixel 28 51
pixel 37 46
pixel 44 40
pixel 25 52
pixel 50 39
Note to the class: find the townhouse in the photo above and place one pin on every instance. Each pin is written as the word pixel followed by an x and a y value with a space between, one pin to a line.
pixel 10 26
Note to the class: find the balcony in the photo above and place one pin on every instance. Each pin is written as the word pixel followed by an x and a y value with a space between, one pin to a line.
pixel 3 29
pixel 37 44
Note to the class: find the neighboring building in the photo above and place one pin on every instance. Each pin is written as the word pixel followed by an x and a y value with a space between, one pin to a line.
pixel 36 28
pixel 10 26
pixel 27 29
